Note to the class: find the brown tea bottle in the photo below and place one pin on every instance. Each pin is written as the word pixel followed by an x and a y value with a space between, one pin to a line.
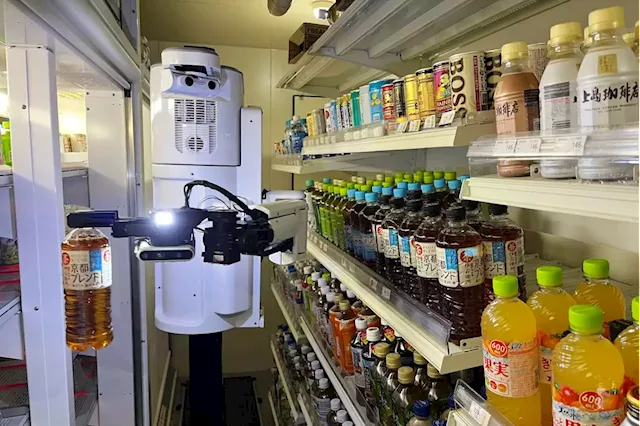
pixel 390 227
pixel 426 260
pixel 376 225
pixel 411 222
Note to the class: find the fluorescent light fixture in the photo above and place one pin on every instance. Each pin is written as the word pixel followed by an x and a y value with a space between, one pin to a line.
pixel 321 8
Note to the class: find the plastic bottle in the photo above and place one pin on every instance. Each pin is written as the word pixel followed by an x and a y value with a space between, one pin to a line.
pixel 550 305
pixel 325 223
pixel 388 333
pixel 453 197
pixel 440 188
pixel 316 198
pixel 86 281
pixel 421 414
pixel 334 314
pixel 413 191
pixel 317 375
pixel 460 274
pixel 376 223
pixel 321 303
pixel 426 260
pixel 510 351
pixel 347 328
pixel 558 91
pixel 402 347
pixel 322 399
pixel 354 223
pixel 307 270
pixel 411 222
pixel 421 378
pixel 628 343
pixel 503 247
pixel 325 325
pixel 346 216
pixel 405 395
pixel 309 191
pixel 337 220
pixel 390 226
pixel 597 290
pixel 6 143
pixel 588 373
pixel 342 417
pixel 474 214
pixel 610 66
pixel 381 351
pixel 358 344
pixel 633 401
pixel 368 362
pixel 367 236
pixel 388 384
pixel 438 391
pixel 332 416
pixel 298 133
pixel 313 367
pixel 313 289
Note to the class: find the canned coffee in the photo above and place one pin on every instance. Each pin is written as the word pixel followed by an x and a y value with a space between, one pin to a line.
pixel 426 98
pixel 493 72
pixel 398 100
pixel 442 86
pixel 468 83
pixel 411 97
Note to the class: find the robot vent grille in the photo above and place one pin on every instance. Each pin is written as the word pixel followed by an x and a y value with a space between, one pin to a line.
pixel 195 123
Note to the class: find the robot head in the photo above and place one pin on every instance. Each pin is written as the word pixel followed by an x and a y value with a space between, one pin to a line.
pixel 192 71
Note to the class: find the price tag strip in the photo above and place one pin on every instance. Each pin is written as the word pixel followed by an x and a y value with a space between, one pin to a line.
pixel 479 414
pixel 429 122
pixel 414 125
pixel 571 145
pixel 527 146
pixel 447 118
pixel 402 127
pixel 504 146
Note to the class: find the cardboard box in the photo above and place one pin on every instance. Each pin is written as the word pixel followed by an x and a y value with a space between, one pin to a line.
pixel 303 39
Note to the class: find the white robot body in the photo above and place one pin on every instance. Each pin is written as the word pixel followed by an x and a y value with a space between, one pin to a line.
pixel 197 136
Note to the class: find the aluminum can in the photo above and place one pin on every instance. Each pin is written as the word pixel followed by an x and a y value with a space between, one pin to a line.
pixel 365 104
pixel 411 97
pixel 493 72
pixel 468 81
pixel 355 108
pixel 388 103
pixel 398 100
pixel 442 87
pixel 375 99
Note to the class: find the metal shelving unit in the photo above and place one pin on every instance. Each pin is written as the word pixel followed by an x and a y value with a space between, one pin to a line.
pixel 289 316
pixel 274 412
pixel 285 382
pixel 298 166
pixel 305 410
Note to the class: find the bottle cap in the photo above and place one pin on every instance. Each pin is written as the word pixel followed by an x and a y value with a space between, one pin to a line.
pixel 456 212
pixel 505 286
pixel 439 183
pixel 387 190
pixel 335 404
pixel 330 296
pixel 462 178
pixel 399 192
pixel 330 188
pixel 421 408
pixel 438 174
pixel 324 290
pixel 343 287
pixel 293 353
pixel 565 32
pixel 384 322
pixel 399 175
pixel 380 176
pixel 295 118
pixel 418 359
pixel 470 205
pixel 361 324
pixel 315 276
pixel 336 190
pixel 322 282
pixel 381 350
pixel 605 19
pixel 413 186
pixel 402 185
pixel 405 375
pixel 350 294
pixel 338 298
pixel 629 39
pixel 311 357
pixel 393 360
pixel 450 175
pixel 342 416
pixel 350 185
pixel 361 180
pixel 307 270
pixel 549 276
pixel 454 184
pixel 428 179
pixel 634 308
pixel 351 193
pixel 426 188
pixel 297 358
pixel 359 195
pixel 343 192
pixel 297 366
pixel 345 305
pixel 354 178
pixel 347 423
pixel 308 182
pixel 365 188
pixel 517 49
pixel 433 372
pixel 496 209
pixel 373 334
pixel 377 189
pixel 633 398
pixel 388 179
pixel 318 373
pixel 585 319
pixel 371 197
pixel 323 383
pixel 596 268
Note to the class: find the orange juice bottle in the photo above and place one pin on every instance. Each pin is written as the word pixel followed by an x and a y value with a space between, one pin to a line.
pixel 587 373
pixel 550 305
pixel 510 351
pixel 347 329
pixel 628 343
pixel 597 290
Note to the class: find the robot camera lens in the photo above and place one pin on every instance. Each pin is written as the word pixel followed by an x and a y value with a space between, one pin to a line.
pixel 188 81
pixel 212 85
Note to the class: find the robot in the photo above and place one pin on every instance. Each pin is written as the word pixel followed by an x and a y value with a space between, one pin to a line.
pixel 207 249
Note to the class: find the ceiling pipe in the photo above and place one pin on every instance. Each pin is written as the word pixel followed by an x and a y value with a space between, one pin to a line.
pixel 278 7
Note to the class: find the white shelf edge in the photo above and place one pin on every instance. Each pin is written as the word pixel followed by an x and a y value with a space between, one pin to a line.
pixel 305 414
pixel 603 201
pixel 293 327
pixel 336 381
pixel 432 138
pixel 415 334
pixel 319 165
pixel 69 170
pixel 285 383
pixel 273 409
pixel 459 417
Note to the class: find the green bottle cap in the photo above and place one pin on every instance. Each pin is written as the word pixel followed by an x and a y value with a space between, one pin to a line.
pixel 6 125
pixel 450 175
pixel 369 182
pixel 326 276
pixel 350 185
pixel 408 176
pixel 376 183
pixel 343 192
pixel 596 268
pixel 326 180
pixel 357 186
pixel 505 286
pixel 397 180
pixel 336 190
pixel 399 175
pixel 330 188
pixel 308 182
pixel 365 188
pixel 428 173
pixel 324 187
pixel 586 319
pixel 549 276
pixel 634 308
pixel 388 179
pixel 387 185
pixel 428 179
pixel 438 175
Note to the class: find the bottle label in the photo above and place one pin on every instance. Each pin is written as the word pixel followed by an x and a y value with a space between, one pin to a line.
pixel 348 237
pixel 608 103
pixel 368 247
pixel 323 406
pixel 86 269
pixel 296 141
pixel 503 257
pixel 412 247
pixel 460 267
pixel 377 229
pixel 589 408
pixel 426 260
pixel 545 365
pixel 367 367
pixel 391 245
pixel 356 241
pixel 511 369
pixel 519 112
pixel 405 251
pixel 559 108
pixel 311 216
pixel 356 355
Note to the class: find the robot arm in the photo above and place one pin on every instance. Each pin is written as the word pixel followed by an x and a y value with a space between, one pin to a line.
pixel 278 227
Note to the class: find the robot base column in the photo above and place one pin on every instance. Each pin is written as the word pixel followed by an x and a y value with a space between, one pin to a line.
pixel 206 393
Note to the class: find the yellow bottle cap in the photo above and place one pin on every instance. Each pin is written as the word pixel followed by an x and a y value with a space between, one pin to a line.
pixel 338 298
pixel 629 39
pixel 517 49
pixel 345 305
pixel 549 276
pixel 381 350
pixel 350 185
pixel 427 178
pixel 393 360
pixel 587 37
pixel 596 268
pixel 450 175
pixel 343 192
pixel 418 359
pixel 634 308
pixel 586 319
pixel 438 175
pixel 428 173
pixel 505 286
pixel 433 372
pixel 388 179
pixel 405 375
pixel 606 19
pixel 369 182
pixel 565 32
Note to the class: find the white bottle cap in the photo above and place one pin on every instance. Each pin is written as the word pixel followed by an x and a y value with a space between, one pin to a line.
pixel 315 366
pixel 361 324
pixel 298 366
pixel 305 349
pixel 315 276
pixel 292 346
pixel 324 290
pixel 296 118
pixel 312 357
pixel 347 423
pixel 318 374
pixel 293 353
pixel 322 282
pixel 373 334
pixel 323 383
pixel 350 294
pixel 330 296
pixel 343 287
pixel 335 404
pixel 307 270
pixel 342 416
pixel 299 287
pixel 296 359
